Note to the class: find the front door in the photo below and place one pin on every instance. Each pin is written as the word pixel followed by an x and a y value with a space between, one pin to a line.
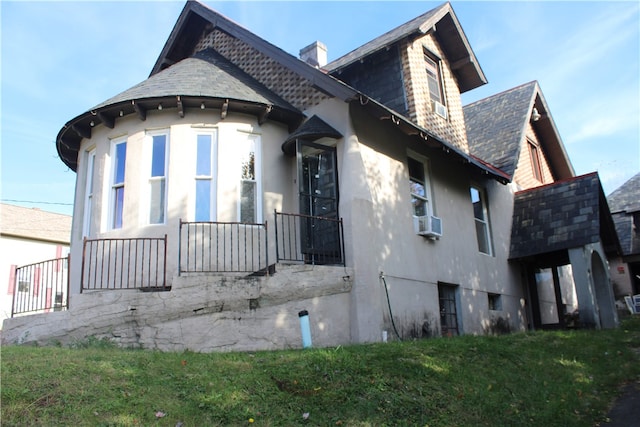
pixel 318 192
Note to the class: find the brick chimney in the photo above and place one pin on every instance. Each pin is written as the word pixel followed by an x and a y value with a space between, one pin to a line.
pixel 315 54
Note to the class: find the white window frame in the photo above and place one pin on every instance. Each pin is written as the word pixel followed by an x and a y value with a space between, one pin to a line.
pixel 484 221
pixel 433 70
pixel 113 186
pixel 152 179
pixel 429 208
pixel 257 165
pixel 89 189
pixel 213 156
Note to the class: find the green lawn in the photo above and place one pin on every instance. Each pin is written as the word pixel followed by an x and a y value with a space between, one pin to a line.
pixel 539 379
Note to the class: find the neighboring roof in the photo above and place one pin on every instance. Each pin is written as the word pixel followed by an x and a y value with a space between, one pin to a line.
pixel 312 129
pixel 627 234
pixel 560 216
pixel 497 125
pixel 626 198
pixel 31 223
pixel 624 203
pixel 448 32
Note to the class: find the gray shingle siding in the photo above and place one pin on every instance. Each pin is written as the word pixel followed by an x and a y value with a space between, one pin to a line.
pixel 495 126
pixel 624 202
pixel 380 77
pixel 556 217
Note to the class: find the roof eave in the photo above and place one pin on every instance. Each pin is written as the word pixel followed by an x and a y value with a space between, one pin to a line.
pixel 381 112
pixel 546 126
pixel 81 127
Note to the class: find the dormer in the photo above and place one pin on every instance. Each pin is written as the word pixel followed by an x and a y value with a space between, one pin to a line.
pixel 419 70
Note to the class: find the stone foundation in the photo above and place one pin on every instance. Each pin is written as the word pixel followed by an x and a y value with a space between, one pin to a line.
pixel 204 313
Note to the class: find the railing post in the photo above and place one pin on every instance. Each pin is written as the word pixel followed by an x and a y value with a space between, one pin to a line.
pixel 84 249
pixel 164 270
pixel 266 245
pixel 15 290
pixel 69 281
pixel 342 255
pixel 275 229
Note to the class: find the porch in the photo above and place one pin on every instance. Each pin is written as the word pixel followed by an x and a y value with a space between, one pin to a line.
pixel 231 249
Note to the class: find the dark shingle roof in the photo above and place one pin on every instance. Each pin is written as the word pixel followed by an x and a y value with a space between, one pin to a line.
pixel 560 216
pixel 451 37
pixel 312 129
pixel 206 74
pixel 386 39
pixel 626 197
pixel 624 202
pixel 495 126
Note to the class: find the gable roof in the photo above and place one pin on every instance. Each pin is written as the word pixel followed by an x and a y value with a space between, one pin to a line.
pixel 197 19
pixel 626 198
pixel 450 35
pixel 35 224
pixel 560 216
pixel 496 128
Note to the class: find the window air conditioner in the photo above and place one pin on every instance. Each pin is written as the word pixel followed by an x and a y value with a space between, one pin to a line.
pixel 428 226
pixel 440 109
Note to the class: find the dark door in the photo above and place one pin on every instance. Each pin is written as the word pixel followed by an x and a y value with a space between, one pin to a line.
pixel 318 191
pixel 448 311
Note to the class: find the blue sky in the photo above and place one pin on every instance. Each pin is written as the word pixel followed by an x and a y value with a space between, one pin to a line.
pixel 59 59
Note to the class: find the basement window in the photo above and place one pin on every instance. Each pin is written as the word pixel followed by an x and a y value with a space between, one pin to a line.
pixel 495 302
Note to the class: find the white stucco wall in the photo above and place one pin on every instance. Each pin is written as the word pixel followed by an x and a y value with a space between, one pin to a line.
pixel 375 203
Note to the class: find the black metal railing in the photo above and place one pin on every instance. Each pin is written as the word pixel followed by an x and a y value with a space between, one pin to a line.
pixel 230 247
pixel 309 239
pixel 135 263
pixel 41 287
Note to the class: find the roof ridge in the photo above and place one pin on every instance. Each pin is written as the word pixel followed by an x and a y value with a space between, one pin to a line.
pixel 373 41
pixel 503 93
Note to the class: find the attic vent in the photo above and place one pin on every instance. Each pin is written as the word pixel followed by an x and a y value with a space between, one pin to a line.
pixel 315 54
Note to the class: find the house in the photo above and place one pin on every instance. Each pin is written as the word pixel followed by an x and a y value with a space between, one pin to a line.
pixel 27 237
pixel 239 186
pixel 624 203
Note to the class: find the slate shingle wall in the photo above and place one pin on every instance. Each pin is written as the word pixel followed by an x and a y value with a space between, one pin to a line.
pixel 495 124
pixel 380 77
pixel 554 217
pixel 451 129
pixel 270 73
